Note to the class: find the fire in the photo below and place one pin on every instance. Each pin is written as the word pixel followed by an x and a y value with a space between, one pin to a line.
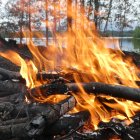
pixel 27 68
pixel 86 53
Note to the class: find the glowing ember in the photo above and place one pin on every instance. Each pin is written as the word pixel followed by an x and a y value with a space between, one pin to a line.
pixel 85 53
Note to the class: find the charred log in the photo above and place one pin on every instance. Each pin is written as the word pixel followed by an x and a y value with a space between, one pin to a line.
pixel 9 87
pixel 15 98
pixel 30 110
pixel 13 131
pixel 5 109
pixel 23 128
pixel 68 123
pixel 38 123
pixel 7 74
pixel 10 111
pixel 14 121
pixel 96 88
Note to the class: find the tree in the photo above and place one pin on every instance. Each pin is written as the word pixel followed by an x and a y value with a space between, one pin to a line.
pixel 136 33
pixel 21 15
pixel 15 17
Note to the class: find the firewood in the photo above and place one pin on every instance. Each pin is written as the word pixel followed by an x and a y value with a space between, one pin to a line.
pixel 95 88
pixel 68 123
pixel 31 110
pixel 13 131
pixel 7 74
pixel 1 77
pixel 47 117
pixel 10 111
pixel 103 134
pixel 9 87
pixel 26 129
pixel 15 98
pixel 5 109
pixel 14 121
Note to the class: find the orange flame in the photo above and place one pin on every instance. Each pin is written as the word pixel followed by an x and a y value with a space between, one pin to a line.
pixel 85 53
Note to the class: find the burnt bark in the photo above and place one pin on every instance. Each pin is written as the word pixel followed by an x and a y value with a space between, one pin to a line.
pixel 96 88
pixel 9 110
pixel 14 121
pixel 12 131
pixel 68 123
pixel 15 98
pixel 9 87
pixel 30 110
pixel 47 117
pixel 7 74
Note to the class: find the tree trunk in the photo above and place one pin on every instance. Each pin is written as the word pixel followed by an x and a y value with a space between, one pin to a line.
pixel 109 11
pixel 30 28
pixel 21 21
pixel 69 13
pixel 96 12
pixel 47 31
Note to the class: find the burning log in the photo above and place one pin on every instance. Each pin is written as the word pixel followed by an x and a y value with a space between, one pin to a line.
pixel 38 123
pixel 68 123
pixel 103 134
pixel 23 128
pixel 9 87
pixel 9 75
pixel 96 88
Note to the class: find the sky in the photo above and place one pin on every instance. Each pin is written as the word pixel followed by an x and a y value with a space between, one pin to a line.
pixel 137 2
pixel 4 1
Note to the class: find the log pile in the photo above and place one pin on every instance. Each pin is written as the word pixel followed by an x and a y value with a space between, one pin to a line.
pixel 21 119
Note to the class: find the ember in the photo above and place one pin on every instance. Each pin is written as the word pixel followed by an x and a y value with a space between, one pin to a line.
pixel 89 89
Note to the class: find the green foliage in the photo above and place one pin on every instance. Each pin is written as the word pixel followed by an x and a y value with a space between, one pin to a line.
pixel 136 33
pixel 136 43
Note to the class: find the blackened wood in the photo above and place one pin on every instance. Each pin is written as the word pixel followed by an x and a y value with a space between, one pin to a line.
pixel 30 110
pixel 46 76
pixel 103 134
pixel 68 123
pixel 13 131
pixel 10 111
pixel 15 98
pixel 7 74
pixel 118 91
pixel 96 88
pixel 138 83
pixel 5 109
pixel 47 117
pixel 1 77
pixel 9 87
pixel 14 121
